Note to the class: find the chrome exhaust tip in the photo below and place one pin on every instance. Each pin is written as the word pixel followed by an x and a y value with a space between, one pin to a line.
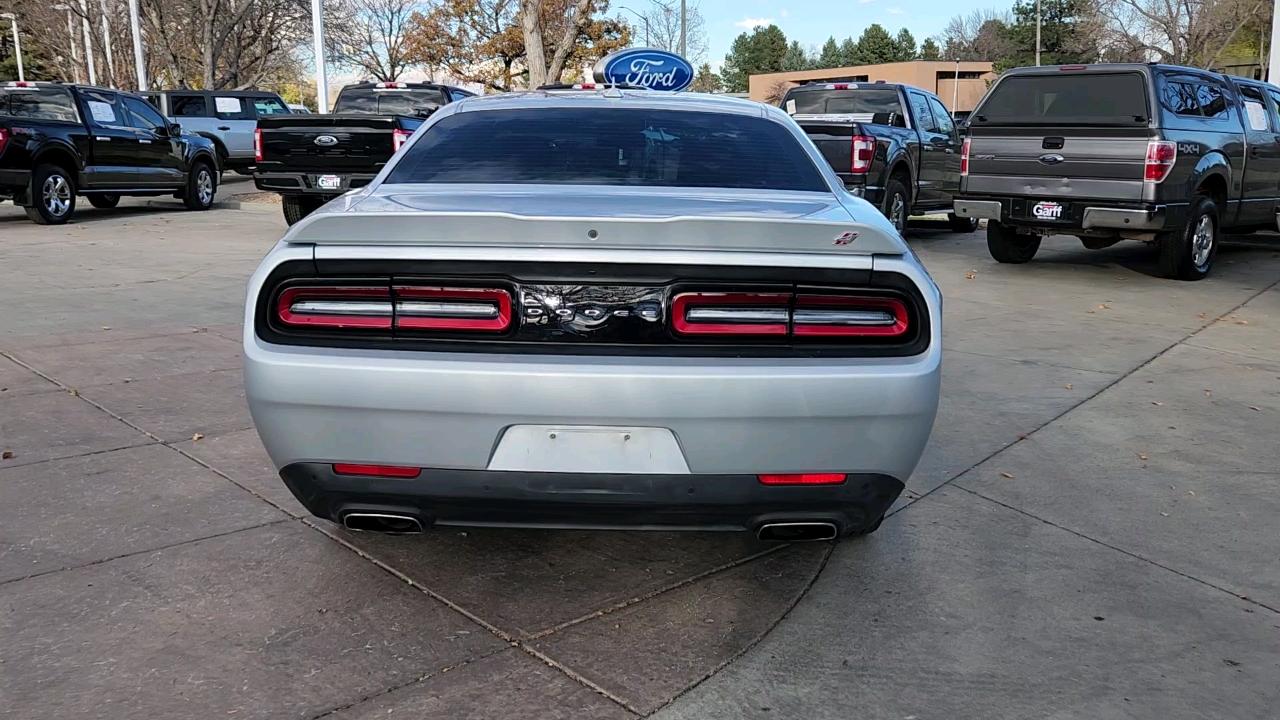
pixel 798 531
pixel 382 522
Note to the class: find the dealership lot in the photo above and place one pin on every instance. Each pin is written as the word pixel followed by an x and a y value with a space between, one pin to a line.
pixel 1091 533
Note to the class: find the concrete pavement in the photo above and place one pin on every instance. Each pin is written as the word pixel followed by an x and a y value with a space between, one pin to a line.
pixel 146 572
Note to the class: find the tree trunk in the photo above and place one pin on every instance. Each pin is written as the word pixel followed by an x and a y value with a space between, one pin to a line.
pixel 581 14
pixel 535 56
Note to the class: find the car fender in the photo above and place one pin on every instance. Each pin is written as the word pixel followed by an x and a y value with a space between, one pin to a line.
pixel 59 146
pixel 1210 164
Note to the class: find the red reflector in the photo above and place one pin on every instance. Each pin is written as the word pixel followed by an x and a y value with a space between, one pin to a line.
pixel 803 479
pixel 964 158
pixel 379 470
pixel 1161 155
pixel 257 145
pixel 729 313
pixel 864 151
pixel 336 307
pixel 834 316
pixel 441 308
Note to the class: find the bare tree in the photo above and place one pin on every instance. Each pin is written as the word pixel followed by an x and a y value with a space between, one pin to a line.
pixel 533 15
pixel 980 35
pixel 1184 32
pixel 370 35
pixel 662 29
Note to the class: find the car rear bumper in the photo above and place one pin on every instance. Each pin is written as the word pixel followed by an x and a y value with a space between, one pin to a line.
pixel 299 183
pixel 1085 215
pixel 520 499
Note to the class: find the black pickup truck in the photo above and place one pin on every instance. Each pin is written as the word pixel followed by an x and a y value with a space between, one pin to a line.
pixel 894 145
pixel 1171 156
pixel 61 141
pixel 311 159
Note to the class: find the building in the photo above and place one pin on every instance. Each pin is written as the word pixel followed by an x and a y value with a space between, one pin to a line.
pixel 937 77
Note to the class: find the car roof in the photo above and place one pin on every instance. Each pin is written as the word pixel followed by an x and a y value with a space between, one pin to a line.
pixel 858 85
pixel 224 93
pixel 612 97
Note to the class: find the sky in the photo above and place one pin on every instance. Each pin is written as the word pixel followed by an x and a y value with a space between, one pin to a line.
pixel 813 21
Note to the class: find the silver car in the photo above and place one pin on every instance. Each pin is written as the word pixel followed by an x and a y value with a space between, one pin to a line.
pixel 597 309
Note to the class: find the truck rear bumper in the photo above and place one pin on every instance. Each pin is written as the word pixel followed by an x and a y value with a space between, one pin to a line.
pixel 1145 218
pixel 13 182
pixel 298 183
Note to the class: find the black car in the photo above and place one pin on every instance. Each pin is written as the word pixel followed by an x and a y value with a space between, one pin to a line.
pixel 1163 154
pixel 61 141
pixel 895 145
pixel 311 159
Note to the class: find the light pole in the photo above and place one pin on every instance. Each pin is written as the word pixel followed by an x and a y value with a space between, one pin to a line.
pixel 71 38
pixel 1037 33
pixel 684 19
pixel 139 65
pixel 17 43
pixel 643 18
pixel 317 31
pixel 1273 67
pixel 88 43
pixel 106 45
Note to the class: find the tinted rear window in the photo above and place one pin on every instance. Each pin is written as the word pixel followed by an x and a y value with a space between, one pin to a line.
pixel 632 147
pixel 368 101
pixel 42 104
pixel 845 102
pixel 1067 98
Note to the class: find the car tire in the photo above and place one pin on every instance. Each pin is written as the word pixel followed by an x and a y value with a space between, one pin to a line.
pixel 1187 253
pixel 897 203
pixel 297 207
pixel 202 186
pixel 961 224
pixel 1007 245
pixel 103 201
pixel 54 195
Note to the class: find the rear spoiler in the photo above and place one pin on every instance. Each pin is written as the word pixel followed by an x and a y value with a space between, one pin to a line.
pixel 498 230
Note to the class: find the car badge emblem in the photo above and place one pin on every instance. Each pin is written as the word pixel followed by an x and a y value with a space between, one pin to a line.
pixel 326 140
pixel 1052 159
pixel 845 238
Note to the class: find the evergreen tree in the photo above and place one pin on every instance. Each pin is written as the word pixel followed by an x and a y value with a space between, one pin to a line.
pixel 796 58
pixel 877 46
pixel 761 51
pixel 929 50
pixel 904 46
pixel 830 56
pixel 1063 41
pixel 706 81
pixel 850 53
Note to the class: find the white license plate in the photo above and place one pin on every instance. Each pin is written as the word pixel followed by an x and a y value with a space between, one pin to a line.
pixel 329 182
pixel 589 449
pixel 1047 210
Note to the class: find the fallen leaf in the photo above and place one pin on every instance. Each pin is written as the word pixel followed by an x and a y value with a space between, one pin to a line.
pixel 970 276
pixel 1023 437
pixel 106 327
pixel 1165 514
pixel 1242 322
pixel 74 392
pixel 197 436
pixel 1253 407
pixel 1068 386
pixel 1141 456
pixel 1153 402
pixel 1191 492
pixel 1207 391
pixel 6 455
pixel 1103 306
pixel 1090 312
pixel 1005 474
pixel 1201 314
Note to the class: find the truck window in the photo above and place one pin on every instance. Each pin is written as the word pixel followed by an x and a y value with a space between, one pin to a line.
pixel 188 106
pixel 231 108
pixel 389 101
pixel 1255 109
pixel 104 108
pixel 1213 102
pixel 43 103
pixel 920 108
pixel 1180 98
pixel 142 115
pixel 1274 95
pixel 941 117
pixel 269 106
pixel 845 102
pixel 1066 98
pixel 598 146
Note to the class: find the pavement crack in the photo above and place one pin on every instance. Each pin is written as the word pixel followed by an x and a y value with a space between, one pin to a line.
pixel 1120 550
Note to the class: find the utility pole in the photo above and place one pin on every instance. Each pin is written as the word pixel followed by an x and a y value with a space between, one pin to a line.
pixel 684 20
pixel 955 89
pixel 106 45
pixel 71 38
pixel 317 31
pixel 1273 68
pixel 1037 33
pixel 17 43
pixel 139 65
pixel 88 43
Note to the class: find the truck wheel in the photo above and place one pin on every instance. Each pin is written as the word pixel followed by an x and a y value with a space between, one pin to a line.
pixel 104 202
pixel 1187 253
pixel 54 193
pixel 297 207
pixel 961 224
pixel 201 187
pixel 897 203
pixel 1010 246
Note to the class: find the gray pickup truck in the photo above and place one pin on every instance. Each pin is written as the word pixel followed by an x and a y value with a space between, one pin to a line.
pixel 894 145
pixel 1168 155
pixel 227 117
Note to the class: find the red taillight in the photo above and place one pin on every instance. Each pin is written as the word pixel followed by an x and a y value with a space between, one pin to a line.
pixel 257 145
pixel 864 151
pixel 964 158
pixel 715 313
pixel 399 138
pixel 1073 67
pixel 395 85
pixel 443 308
pixel 840 86
pixel 336 307
pixel 4 139
pixel 803 479
pixel 1161 155
pixel 585 86
pixel 394 471
pixel 840 316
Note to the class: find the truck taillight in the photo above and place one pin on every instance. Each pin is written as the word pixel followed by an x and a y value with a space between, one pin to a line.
pixel 257 145
pixel 4 139
pixel 864 151
pixel 398 139
pixel 964 158
pixel 1161 155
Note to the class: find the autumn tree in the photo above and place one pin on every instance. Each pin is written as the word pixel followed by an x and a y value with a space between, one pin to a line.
pixel 706 80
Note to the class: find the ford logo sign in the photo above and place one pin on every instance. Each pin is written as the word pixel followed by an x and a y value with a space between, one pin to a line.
pixel 326 140
pixel 644 67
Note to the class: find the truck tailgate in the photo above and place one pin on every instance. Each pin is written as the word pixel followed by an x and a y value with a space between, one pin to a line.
pixel 1058 162
pixel 297 142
